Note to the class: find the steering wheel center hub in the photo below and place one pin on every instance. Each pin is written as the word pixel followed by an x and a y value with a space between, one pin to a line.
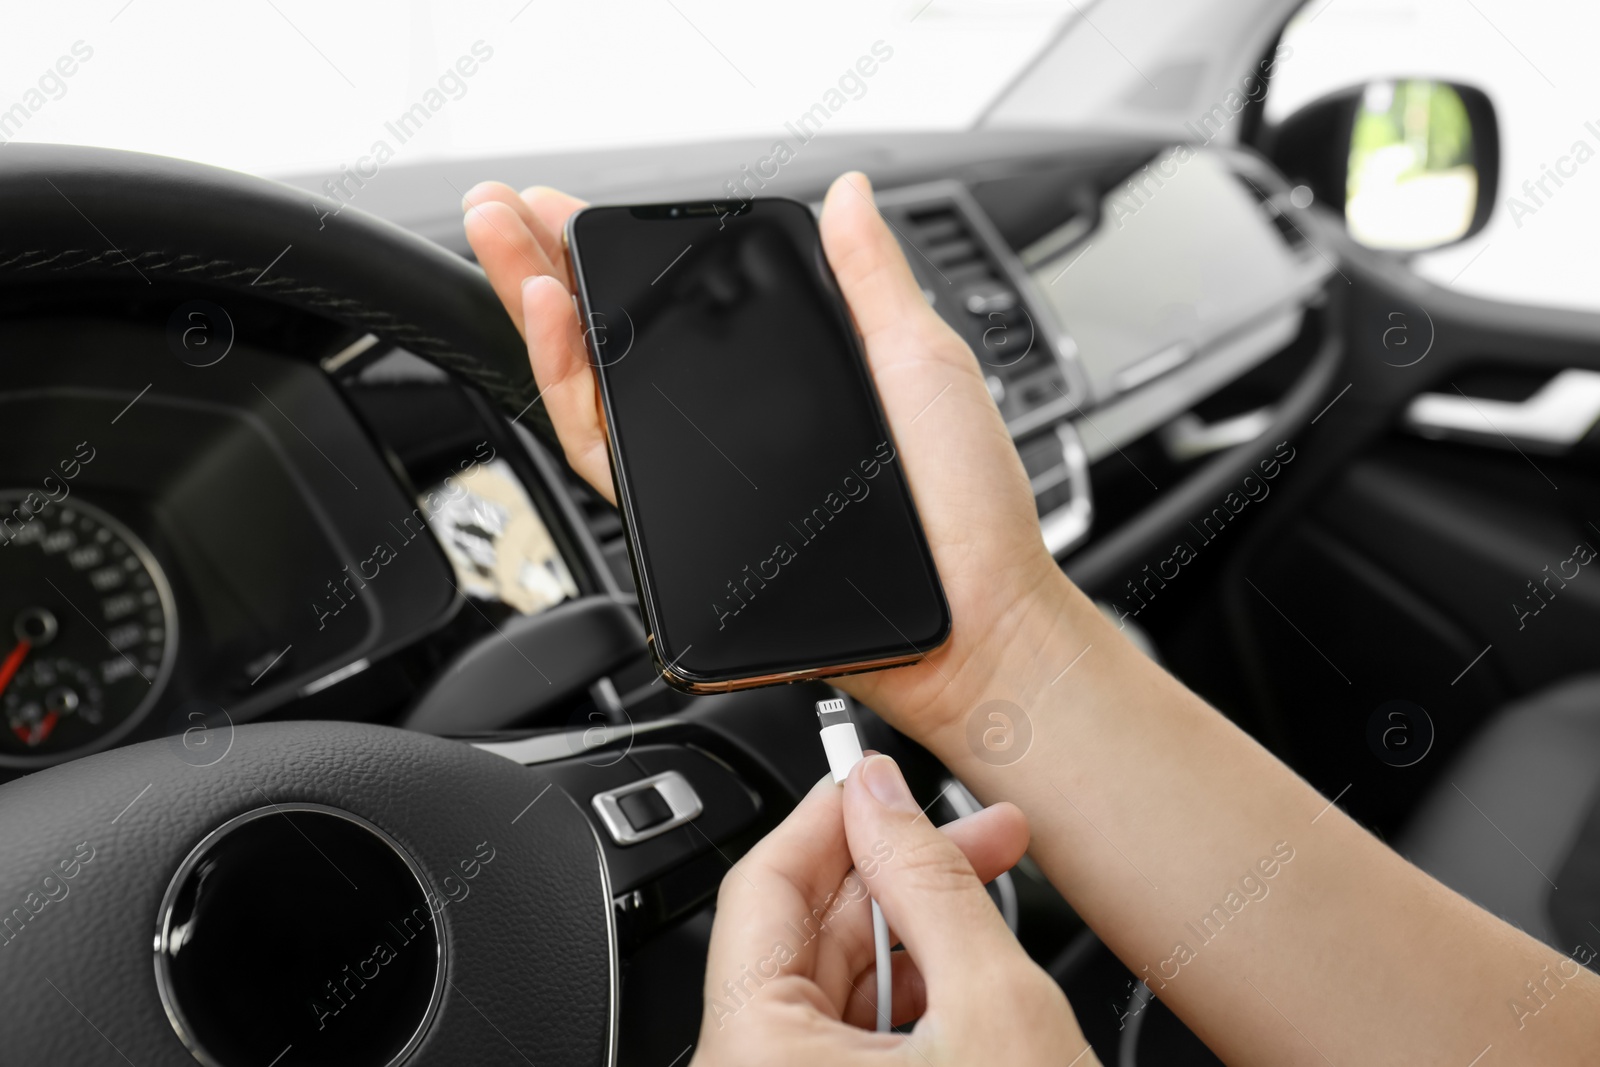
pixel 299 931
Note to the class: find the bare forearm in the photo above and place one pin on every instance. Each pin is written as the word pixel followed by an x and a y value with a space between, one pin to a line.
pixel 1275 926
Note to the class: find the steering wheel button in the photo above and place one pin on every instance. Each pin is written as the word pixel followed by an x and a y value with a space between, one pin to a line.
pixel 644 808
pixel 634 812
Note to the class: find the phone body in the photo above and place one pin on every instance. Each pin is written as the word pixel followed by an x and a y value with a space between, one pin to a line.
pixel 770 527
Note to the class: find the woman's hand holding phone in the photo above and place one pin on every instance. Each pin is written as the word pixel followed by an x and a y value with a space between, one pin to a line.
pixel 1003 588
pixel 1127 767
pixel 973 497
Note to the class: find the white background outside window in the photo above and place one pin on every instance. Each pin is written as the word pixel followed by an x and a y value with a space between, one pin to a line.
pixel 1535 59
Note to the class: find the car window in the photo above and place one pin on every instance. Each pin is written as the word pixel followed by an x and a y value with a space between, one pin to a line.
pixel 370 84
pixel 1531 58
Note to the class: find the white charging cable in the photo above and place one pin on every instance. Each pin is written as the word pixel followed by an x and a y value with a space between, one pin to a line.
pixel 843 746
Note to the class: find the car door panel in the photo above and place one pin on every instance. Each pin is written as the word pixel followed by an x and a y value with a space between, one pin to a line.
pixel 1400 559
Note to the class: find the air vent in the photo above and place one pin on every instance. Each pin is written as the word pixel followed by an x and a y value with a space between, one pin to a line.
pixel 942 234
pixel 1272 210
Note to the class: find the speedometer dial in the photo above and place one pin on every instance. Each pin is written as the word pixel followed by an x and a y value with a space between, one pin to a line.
pixel 87 628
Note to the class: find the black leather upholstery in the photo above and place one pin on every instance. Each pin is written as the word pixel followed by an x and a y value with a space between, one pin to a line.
pixel 1514 817
pixel 71 213
pixel 528 956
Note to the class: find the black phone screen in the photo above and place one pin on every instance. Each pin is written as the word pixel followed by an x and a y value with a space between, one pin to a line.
pixel 771 526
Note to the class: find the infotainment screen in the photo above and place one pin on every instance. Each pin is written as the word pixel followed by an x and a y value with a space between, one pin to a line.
pixel 1183 257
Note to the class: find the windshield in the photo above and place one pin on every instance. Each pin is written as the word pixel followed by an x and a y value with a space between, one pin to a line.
pixel 293 86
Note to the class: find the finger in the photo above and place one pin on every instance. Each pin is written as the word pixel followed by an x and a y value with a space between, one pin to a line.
pixel 910 995
pixel 487 192
pixel 552 208
pixel 565 377
pixel 543 210
pixel 506 250
pixel 783 892
pixel 993 840
pixel 876 280
pixel 927 889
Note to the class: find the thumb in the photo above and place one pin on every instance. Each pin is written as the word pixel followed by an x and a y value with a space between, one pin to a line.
pixel 865 257
pixel 921 879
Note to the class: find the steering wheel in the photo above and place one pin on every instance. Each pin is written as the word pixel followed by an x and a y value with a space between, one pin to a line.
pixel 326 892
pixel 79 214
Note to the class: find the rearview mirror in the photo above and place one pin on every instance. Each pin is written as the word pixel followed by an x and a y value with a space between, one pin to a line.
pixel 1412 164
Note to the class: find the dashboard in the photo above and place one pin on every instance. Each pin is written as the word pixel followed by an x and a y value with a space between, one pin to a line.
pixel 219 513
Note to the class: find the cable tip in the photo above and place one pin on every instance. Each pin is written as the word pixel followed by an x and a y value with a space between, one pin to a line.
pixel 832 712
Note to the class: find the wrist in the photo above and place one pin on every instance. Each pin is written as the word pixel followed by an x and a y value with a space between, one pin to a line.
pixel 1007 677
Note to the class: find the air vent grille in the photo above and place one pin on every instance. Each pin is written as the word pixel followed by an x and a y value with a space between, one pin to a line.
pixel 942 234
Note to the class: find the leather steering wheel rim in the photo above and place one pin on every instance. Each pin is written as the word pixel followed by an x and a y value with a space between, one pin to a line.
pixel 72 213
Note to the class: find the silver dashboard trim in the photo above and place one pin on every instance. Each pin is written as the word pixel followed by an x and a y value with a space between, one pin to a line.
pixel 614 1027
pixel 568 744
pixel 349 670
pixel 1067 527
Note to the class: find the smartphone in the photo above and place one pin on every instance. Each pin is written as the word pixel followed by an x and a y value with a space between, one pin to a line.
pixel 769 522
